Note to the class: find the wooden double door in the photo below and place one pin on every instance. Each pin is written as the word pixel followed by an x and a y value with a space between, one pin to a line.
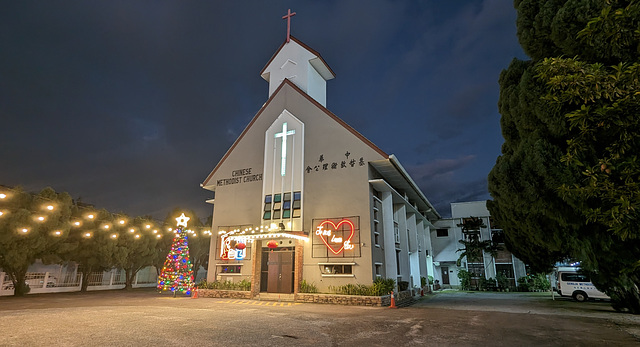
pixel 280 268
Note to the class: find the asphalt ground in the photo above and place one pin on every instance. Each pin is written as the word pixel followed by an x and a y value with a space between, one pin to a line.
pixel 143 317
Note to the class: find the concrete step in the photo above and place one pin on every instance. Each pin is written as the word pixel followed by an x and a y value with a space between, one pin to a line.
pixel 276 297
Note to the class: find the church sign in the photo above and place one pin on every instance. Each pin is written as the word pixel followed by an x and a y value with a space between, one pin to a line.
pixel 348 161
pixel 240 176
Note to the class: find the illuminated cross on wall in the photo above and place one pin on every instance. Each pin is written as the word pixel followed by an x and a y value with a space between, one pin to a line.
pixel 284 134
pixel 288 18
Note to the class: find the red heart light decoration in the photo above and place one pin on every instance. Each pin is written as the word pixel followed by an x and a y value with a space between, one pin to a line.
pixel 335 227
pixel 241 246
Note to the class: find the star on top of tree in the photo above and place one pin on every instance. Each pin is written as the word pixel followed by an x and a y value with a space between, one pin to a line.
pixel 182 220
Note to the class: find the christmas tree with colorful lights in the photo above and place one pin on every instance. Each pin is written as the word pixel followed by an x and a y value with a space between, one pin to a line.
pixel 177 272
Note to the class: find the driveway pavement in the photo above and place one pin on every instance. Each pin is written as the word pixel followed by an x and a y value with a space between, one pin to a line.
pixel 145 318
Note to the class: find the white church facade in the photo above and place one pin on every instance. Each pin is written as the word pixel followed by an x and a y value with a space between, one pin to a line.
pixel 301 195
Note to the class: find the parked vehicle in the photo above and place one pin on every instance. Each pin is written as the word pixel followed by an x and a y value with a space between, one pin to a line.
pixel 571 282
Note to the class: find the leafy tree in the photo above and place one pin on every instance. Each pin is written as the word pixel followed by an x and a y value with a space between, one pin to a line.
pixel 92 242
pixel 566 184
pixel 32 226
pixel 473 247
pixel 136 248
pixel 199 246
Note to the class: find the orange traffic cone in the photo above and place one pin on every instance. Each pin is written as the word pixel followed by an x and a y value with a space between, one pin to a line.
pixel 195 294
pixel 393 301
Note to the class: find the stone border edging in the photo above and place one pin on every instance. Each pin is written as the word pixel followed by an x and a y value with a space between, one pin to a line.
pixel 335 299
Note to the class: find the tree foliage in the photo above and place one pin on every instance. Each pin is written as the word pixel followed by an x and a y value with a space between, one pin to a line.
pixel 474 248
pixel 137 250
pixel 90 245
pixel 566 184
pixel 32 226
pixel 52 227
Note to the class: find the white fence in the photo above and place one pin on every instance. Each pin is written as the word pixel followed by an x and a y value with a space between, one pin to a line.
pixel 64 279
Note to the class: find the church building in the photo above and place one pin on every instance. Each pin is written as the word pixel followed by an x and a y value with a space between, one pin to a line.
pixel 301 195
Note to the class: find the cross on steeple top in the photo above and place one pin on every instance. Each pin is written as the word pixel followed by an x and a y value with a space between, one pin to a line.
pixel 288 18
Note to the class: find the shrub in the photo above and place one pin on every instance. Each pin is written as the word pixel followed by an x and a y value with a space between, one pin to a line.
pixel 537 282
pixel 430 279
pixel 423 281
pixel 308 287
pixel 378 288
pixel 382 286
pixel 503 281
pixel 465 279
pixel 352 289
pixel 225 285
pixel 524 283
pixel 403 285
pixel 487 284
pixel 540 282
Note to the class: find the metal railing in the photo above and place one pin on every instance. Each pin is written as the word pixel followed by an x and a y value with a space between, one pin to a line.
pixel 65 280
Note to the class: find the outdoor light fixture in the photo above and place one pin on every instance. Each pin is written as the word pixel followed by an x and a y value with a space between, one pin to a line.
pixel 281 225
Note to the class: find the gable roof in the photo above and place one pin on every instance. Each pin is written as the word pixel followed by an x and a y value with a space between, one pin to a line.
pixel 315 103
pixel 333 75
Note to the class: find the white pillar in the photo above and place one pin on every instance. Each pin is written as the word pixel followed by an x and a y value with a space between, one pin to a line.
pixel 46 280
pixel 414 256
pixel 401 218
pixel 390 267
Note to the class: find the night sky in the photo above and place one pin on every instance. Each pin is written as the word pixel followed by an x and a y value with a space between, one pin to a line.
pixel 129 105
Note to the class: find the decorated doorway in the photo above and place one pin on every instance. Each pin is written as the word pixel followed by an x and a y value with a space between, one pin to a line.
pixel 278 270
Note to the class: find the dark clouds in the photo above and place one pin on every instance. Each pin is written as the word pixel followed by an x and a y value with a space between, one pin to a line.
pixel 130 104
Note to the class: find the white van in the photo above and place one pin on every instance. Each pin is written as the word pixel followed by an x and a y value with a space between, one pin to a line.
pixel 570 282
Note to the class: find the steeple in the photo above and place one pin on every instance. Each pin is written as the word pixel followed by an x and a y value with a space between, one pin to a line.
pixel 301 65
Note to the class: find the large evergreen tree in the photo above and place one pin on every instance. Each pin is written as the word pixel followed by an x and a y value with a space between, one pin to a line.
pixel 566 184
